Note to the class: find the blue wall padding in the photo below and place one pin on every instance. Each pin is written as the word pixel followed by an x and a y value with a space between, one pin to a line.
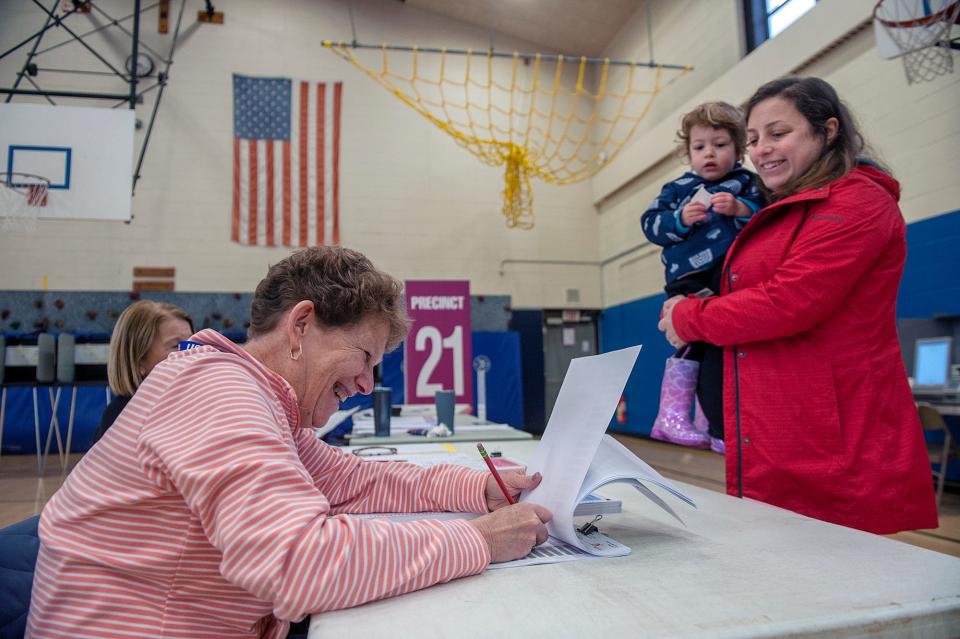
pixel 18 426
pixel 931 278
pixel 505 393
pixel 504 379
pixel 930 286
pixel 529 327
pixel 628 325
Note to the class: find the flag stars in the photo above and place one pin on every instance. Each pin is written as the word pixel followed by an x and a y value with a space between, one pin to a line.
pixel 262 108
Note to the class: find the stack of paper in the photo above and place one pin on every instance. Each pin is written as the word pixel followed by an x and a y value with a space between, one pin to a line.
pixel 597 505
pixel 576 457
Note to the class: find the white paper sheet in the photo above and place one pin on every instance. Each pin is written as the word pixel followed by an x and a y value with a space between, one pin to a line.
pixel 576 457
pixel 587 401
pixel 702 196
pixel 614 462
pixel 551 551
pixel 335 420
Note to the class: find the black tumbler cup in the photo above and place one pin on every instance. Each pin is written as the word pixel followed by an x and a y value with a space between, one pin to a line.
pixel 381 411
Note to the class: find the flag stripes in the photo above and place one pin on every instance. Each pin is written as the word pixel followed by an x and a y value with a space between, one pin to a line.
pixel 286 162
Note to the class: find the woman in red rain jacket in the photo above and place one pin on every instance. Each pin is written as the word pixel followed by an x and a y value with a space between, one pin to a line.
pixel 819 414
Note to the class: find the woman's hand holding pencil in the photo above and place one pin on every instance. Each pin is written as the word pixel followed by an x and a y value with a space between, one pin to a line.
pixel 514 483
pixel 503 490
pixel 511 529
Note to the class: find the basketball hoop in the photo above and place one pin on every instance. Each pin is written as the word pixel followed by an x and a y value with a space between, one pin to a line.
pixel 22 195
pixel 918 32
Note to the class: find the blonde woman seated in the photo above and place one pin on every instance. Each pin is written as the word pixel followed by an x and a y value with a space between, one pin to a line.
pixel 145 333
pixel 211 509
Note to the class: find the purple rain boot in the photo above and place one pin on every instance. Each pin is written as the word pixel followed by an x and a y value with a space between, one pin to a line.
pixel 676 395
pixel 717 446
pixel 700 421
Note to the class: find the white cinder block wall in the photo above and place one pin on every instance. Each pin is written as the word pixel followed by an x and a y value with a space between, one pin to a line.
pixel 421 206
pixel 915 129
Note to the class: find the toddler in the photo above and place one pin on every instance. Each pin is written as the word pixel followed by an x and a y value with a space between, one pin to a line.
pixel 695 219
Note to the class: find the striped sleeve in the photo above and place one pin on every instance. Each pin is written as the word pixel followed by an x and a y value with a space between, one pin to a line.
pixel 354 485
pixel 219 441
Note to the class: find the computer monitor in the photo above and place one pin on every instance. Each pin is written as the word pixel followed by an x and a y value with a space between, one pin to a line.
pixel 931 365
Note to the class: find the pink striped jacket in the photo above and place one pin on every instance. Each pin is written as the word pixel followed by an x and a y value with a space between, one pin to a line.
pixel 206 511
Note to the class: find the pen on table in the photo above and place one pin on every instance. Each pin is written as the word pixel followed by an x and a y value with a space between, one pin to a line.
pixel 496 475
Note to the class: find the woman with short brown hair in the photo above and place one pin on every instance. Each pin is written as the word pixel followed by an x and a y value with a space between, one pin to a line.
pixel 211 509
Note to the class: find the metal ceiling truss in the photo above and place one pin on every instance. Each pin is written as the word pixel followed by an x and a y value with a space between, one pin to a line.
pixel 136 87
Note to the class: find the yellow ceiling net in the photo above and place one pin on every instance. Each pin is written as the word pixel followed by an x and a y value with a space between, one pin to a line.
pixel 558 119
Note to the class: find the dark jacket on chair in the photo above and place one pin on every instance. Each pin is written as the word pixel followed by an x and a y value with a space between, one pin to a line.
pixel 19 545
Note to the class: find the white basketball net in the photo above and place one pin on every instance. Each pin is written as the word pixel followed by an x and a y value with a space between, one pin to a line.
pixel 922 39
pixel 21 200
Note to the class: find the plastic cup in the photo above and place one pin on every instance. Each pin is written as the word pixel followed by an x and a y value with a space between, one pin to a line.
pixel 445 407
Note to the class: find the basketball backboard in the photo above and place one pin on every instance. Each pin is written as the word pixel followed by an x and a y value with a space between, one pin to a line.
pixel 85 154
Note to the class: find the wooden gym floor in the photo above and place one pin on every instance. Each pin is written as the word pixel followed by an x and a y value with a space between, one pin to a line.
pixel 23 493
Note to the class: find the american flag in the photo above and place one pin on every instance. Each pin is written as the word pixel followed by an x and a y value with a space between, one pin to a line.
pixel 286 162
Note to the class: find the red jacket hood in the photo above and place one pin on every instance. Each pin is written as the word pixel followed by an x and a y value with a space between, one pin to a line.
pixel 862 172
pixel 884 180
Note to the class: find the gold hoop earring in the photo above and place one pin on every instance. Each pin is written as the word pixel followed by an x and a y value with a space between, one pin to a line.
pixel 299 353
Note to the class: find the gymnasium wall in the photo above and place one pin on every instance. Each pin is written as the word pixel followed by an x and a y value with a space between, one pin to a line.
pixel 419 205
pixel 413 200
pixel 915 129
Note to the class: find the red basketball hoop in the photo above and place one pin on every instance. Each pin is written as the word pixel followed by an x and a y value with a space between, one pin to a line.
pixel 918 32
pixel 22 195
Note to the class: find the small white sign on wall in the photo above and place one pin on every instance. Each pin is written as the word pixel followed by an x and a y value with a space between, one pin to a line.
pixel 86 155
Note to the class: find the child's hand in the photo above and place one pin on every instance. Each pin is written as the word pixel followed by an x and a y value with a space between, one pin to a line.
pixel 692 213
pixel 726 204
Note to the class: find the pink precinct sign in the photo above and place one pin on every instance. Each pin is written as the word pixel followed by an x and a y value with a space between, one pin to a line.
pixel 437 353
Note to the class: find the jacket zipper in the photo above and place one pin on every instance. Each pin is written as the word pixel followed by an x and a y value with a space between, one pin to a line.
pixel 736 382
pixel 736 359
pixel 736 363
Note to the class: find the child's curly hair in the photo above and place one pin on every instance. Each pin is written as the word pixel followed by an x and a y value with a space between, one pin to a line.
pixel 718 115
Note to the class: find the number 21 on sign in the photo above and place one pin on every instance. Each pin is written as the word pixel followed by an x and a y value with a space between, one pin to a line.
pixel 429 340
